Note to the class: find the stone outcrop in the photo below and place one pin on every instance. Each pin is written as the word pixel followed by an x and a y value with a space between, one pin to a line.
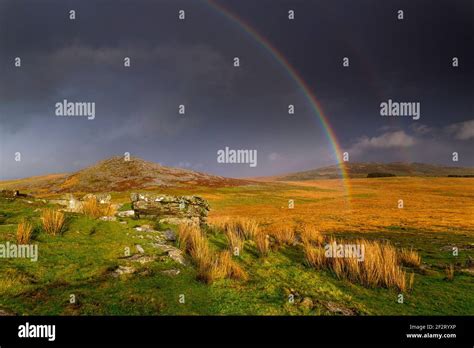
pixel 126 213
pixel 69 202
pixel 8 193
pixel 11 194
pixel 74 205
pixel 170 209
pixel 100 197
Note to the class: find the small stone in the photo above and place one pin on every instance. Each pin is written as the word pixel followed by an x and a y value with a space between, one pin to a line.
pixel 144 228
pixel 339 309
pixel 140 249
pixel 142 258
pixel 171 272
pixel 177 256
pixel 163 247
pixel 126 213
pixel 169 235
pixel 108 218
pixel 121 270
pixel 180 220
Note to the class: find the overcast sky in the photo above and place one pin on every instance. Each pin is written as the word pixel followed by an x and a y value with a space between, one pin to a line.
pixel 190 62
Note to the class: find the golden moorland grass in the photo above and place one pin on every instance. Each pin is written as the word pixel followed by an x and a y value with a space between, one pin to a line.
pixel 203 258
pixel 23 232
pixel 411 280
pixel 262 242
pixel 235 242
pixel 210 265
pixel 314 256
pixel 230 267
pixel 94 209
pixel 52 221
pixel 380 267
pixel 185 234
pixel 409 257
pixel 249 227
pixel 245 228
pixel 430 204
pixel 283 234
pixel 310 235
pixel 322 207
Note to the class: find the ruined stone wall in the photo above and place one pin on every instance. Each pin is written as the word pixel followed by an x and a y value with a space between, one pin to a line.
pixel 8 193
pixel 171 209
pixel 74 205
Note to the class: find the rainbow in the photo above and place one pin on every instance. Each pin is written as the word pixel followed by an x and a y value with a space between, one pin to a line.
pixel 295 76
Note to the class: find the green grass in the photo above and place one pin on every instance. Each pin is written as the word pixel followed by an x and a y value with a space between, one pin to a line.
pixel 80 262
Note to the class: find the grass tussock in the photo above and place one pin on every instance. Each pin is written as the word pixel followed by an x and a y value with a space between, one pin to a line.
pixel 203 258
pixel 220 222
pixel 235 242
pixel 246 228
pixel 310 235
pixel 211 266
pixel 409 257
pixel 230 268
pixel 52 221
pixel 94 209
pixel 411 280
pixel 380 267
pixel 186 234
pixel 249 228
pixel 314 256
pixel 262 243
pixel 23 232
pixel 449 273
pixel 283 235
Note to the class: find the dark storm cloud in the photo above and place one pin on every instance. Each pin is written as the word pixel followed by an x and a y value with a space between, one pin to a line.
pixel 406 60
pixel 190 63
pixel 97 74
pixel 137 108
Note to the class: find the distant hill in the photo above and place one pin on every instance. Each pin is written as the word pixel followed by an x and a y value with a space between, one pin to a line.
pixel 116 174
pixel 361 170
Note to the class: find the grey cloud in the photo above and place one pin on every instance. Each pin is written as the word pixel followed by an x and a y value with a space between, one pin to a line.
pixel 422 129
pixel 462 130
pixel 397 139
